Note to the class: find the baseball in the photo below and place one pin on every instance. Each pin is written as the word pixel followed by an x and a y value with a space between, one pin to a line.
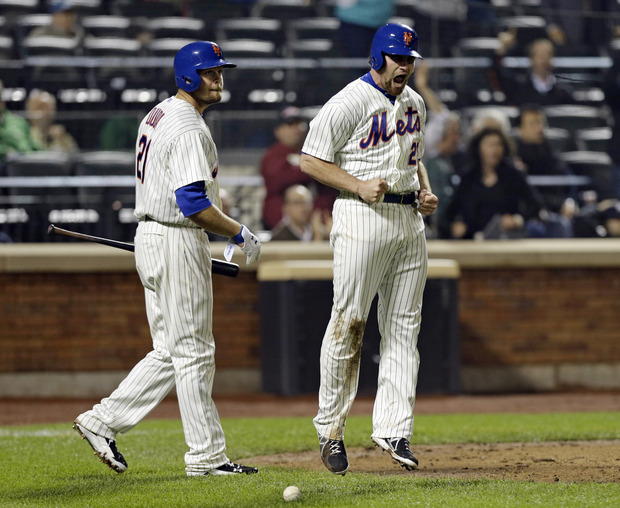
pixel 291 493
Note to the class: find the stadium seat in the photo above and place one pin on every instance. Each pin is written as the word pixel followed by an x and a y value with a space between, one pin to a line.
pixel 88 7
pixel 112 46
pixel 595 139
pixel 14 8
pixel 310 48
pixel 177 27
pixel 25 24
pixel 258 29
pixel 113 203
pixel 476 47
pixel 6 47
pixel 575 116
pixel 167 46
pixel 313 28
pixel 528 28
pixel 49 46
pixel 116 50
pixel 39 200
pixel 214 10
pixel 106 26
pixel 251 83
pixel 247 48
pixel 44 71
pixel 596 165
pixel 286 9
pixel 146 8
pixel 560 139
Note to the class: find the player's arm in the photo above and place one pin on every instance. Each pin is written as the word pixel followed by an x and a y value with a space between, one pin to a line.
pixel 331 174
pixel 426 199
pixel 196 206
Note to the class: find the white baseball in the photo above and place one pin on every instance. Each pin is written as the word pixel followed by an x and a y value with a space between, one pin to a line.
pixel 291 493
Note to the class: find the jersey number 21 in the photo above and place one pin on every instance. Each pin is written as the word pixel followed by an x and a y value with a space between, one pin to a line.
pixel 144 144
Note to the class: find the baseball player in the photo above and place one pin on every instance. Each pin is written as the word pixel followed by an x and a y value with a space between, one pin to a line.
pixel 177 201
pixel 367 141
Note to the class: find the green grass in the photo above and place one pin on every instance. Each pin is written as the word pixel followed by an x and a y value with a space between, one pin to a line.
pixel 47 465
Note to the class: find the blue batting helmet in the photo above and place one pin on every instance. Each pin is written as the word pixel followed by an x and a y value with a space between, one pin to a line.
pixel 193 57
pixel 393 39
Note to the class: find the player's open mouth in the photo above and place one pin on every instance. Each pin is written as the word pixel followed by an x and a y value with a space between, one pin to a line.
pixel 400 79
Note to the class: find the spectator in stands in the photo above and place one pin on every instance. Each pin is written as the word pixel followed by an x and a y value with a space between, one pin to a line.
pixel 359 20
pixel 116 132
pixel 64 22
pixel 442 145
pixel 610 217
pixel 489 117
pixel 14 132
pixel 493 199
pixel 611 88
pixel 280 168
pixel 299 221
pixel 537 157
pixel 539 85
pixel 47 135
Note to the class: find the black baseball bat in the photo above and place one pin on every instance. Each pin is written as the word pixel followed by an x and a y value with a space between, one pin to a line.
pixel 218 266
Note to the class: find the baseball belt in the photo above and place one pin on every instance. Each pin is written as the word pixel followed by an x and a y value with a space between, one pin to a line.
pixel 401 199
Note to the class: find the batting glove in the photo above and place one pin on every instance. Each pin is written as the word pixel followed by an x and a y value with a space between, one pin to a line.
pixel 251 244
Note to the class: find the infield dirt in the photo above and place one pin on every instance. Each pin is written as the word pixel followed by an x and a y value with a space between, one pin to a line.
pixel 572 461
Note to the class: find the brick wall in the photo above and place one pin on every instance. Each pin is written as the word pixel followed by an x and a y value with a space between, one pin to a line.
pixel 97 321
pixel 508 317
pixel 539 316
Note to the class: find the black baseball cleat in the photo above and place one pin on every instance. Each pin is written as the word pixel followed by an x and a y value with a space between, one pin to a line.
pixel 225 469
pixel 334 455
pixel 104 448
pixel 398 448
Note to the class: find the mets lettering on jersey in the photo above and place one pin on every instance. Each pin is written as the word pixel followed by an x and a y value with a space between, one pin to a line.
pixel 368 136
pixel 378 130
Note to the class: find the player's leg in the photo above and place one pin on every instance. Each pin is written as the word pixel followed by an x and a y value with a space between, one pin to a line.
pixel 357 272
pixel 399 317
pixel 149 381
pixel 191 345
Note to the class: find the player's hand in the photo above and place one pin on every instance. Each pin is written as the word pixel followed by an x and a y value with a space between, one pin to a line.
pixel 372 190
pixel 250 246
pixel 427 202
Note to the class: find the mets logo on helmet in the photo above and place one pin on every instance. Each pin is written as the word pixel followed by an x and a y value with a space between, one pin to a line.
pixel 217 50
pixel 407 37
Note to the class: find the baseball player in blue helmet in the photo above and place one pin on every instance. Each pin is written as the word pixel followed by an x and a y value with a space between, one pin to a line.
pixel 177 201
pixel 368 142
pixel 393 39
pixel 195 56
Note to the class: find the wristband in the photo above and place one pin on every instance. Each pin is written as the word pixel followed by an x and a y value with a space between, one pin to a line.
pixel 239 237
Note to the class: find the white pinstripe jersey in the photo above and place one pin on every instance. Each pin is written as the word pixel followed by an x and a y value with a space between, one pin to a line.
pixel 174 148
pixel 360 131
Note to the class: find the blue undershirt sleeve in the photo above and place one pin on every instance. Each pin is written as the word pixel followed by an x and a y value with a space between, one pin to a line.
pixel 192 198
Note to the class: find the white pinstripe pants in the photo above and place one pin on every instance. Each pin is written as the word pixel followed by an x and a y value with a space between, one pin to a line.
pixel 378 248
pixel 174 264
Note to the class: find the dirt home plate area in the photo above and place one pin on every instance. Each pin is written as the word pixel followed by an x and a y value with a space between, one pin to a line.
pixel 571 461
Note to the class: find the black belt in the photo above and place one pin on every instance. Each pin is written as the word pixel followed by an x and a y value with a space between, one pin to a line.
pixel 401 199
pixel 146 218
